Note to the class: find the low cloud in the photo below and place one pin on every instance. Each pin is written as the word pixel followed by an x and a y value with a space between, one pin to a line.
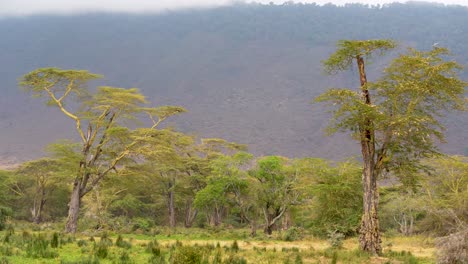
pixel 28 7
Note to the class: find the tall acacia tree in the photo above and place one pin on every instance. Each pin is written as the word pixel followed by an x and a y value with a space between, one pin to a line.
pixel 394 118
pixel 98 118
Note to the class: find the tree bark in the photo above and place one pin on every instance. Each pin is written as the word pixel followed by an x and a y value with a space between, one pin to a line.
pixel 369 231
pixel 171 206
pixel 190 214
pixel 74 208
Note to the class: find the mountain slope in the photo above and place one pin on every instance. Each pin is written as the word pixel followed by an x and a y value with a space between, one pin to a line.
pixel 246 73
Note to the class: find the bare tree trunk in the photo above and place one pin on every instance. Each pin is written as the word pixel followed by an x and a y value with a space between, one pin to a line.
pixel 286 222
pixel 190 214
pixel 74 208
pixel 369 231
pixel 253 227
pixel 171 206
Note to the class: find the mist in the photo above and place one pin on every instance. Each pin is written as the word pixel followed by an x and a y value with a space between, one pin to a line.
pixel 31 7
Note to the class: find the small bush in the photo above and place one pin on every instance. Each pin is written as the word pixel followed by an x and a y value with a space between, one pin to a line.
pixel 157 260
pixel 121 243
pixel 453 249
pixel 335 239
pixel 101 249
pixel 125 258
pixel 106 240
pixel 233 259
pixel 235 246
pixel 54 242
pixel 82 243
pixel 153 248
pixel 5 212
pixel 186 255
pixel 292 234
pixel 298 259
pixel 38 247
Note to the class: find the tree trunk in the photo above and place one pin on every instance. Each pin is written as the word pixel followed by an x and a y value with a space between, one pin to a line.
pixel 171 207
pixel 253 228
pixel 190 214
pixel 268 229
pixel 37 210
pixel 74 208
pixel 369 231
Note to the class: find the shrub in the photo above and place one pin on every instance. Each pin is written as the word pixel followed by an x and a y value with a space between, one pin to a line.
pixel 453 249
pixel 120 242
pixel 233 259
pixel 5 212
pixel 235 246
pixel 298 259
pixel 153 248
pixel 38 247
pixel 186 255
pixel 54 242
pixel 105 240
pixel 125 258
pixel 335 239
pixel 82 243
pixel 292 234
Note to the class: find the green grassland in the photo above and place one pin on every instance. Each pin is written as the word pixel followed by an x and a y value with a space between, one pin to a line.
pixel 23 245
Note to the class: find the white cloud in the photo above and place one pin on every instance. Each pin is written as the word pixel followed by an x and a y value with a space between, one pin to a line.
pixel 27 7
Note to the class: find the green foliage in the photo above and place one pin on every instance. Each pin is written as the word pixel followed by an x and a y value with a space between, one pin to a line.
pixel 234 259
pixel 235 246
pixel 292 234
pixel 54 242
pixel 5 212
pixel 349 50
pixel 445 195
pixel 337 199
pixel 120 242
pixel 335 239
pixel 186 255
pixel 38 247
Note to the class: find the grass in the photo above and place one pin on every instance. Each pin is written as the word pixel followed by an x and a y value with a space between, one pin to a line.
pixel 201 246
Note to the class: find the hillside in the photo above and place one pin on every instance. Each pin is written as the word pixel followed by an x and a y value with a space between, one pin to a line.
pixel 246 73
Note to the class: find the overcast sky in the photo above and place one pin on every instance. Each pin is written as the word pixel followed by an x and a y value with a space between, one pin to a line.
pixel 26 7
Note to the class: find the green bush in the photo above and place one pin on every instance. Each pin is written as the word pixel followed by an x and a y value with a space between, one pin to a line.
pixel 153 248
pixel 38 247
pixel 121 243
pixel 235 246
pixel 186 255
pixel 125 258
pixel 292 234
pixel 5 212
pixel 233 259
pixel 54 242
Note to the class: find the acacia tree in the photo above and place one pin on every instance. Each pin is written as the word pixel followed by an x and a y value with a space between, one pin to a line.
pixel 276 187
pixel 98 119
pixel 394 118
pixel 44 175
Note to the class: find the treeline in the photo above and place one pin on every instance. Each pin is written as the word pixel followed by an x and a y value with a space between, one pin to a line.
pixel 178 181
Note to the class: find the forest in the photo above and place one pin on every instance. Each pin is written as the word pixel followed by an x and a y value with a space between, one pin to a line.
pixel 128 185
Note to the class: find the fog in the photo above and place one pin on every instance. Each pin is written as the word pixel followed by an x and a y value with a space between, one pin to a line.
pixel 29 7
